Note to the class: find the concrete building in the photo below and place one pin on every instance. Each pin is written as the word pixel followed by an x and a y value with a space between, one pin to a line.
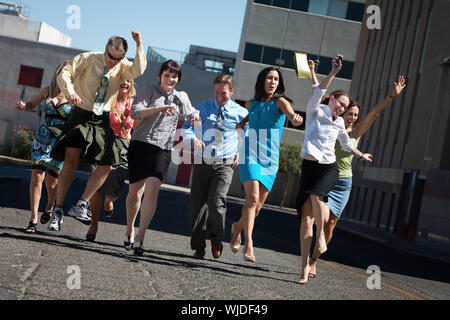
pixel 274 29
pixel 14 24
pixel 407 188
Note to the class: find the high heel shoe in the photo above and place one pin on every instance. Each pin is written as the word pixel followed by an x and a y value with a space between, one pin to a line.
pixel 234 239
pixel 312 275
pixel 305 277
pixel 138 248
pixel 128 242
pixel 90 237
pixel 248 257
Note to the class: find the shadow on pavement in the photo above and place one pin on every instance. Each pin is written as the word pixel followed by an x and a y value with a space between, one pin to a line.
pixel 275 231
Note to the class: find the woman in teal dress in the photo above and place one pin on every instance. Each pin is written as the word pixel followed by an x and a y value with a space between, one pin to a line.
pixel 52 115
pixel 267 115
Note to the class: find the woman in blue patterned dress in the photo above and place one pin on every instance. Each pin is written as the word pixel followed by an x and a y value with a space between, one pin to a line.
pixel 267 116
pixel 52 114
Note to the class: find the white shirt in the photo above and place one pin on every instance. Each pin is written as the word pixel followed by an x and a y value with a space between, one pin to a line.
pixel 321 131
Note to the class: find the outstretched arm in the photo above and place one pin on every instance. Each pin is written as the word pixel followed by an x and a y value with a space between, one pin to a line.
pixel 336 67
pixel 138 66
pixel 312 67
pixel 33 103
pixel 365 124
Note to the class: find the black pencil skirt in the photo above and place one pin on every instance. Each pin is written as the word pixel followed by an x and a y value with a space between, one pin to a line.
pixel 147 160
pixel 317 179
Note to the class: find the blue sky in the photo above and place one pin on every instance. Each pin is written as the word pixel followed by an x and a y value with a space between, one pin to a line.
pixel 169 24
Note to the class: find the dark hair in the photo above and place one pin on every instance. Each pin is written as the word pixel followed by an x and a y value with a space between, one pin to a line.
pixel 172 66
pixel 260 93
pixel 336 94
pixel 118 44
pixel 352 104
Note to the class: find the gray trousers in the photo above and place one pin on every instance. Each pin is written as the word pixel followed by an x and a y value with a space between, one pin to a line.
pixel 208 202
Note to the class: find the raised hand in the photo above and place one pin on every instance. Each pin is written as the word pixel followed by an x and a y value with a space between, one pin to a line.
pixel 137 37
pixel 398 86
pixel 337 63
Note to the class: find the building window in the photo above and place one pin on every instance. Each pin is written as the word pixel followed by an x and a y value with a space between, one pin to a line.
pixel 253 52
pixel 30 76
pixel 282 3
pixel 270 55
pixel 334 8
pixel 355 11
pixel 268 2
pixel 286 55
pixel 318 7
pixel 337 9
pixel 300 5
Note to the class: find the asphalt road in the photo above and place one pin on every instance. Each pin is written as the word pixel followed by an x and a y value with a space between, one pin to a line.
pixel 61 265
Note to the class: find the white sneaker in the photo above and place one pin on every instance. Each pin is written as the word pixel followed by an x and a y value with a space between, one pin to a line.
pixel 56 220
pixel 81 212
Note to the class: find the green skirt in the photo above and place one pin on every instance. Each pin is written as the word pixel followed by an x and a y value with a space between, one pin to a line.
pixel 92 134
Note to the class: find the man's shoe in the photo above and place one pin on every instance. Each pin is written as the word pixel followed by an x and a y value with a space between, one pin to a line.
pixel 56 220
pixel 81 212
pixel 216 247
pixel 199 254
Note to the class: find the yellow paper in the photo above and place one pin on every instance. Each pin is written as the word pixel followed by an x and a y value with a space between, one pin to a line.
pixel 301 65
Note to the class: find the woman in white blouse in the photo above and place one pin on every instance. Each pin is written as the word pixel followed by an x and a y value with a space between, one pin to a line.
pixel 319 168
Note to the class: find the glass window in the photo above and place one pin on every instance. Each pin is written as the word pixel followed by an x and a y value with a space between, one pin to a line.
pixel 355 11
pixel 300 5
pixel 319 7
pixel 252 52
pixel 286 55
pixel 338 8
pixel 281 3
pixel 325 66
pixel 268 2
pixel 270 55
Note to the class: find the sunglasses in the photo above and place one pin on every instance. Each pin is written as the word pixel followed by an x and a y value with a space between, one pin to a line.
pixel 113 58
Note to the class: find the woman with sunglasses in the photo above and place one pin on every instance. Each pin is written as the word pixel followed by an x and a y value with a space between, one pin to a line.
pixel 319 168
pixel 340 194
